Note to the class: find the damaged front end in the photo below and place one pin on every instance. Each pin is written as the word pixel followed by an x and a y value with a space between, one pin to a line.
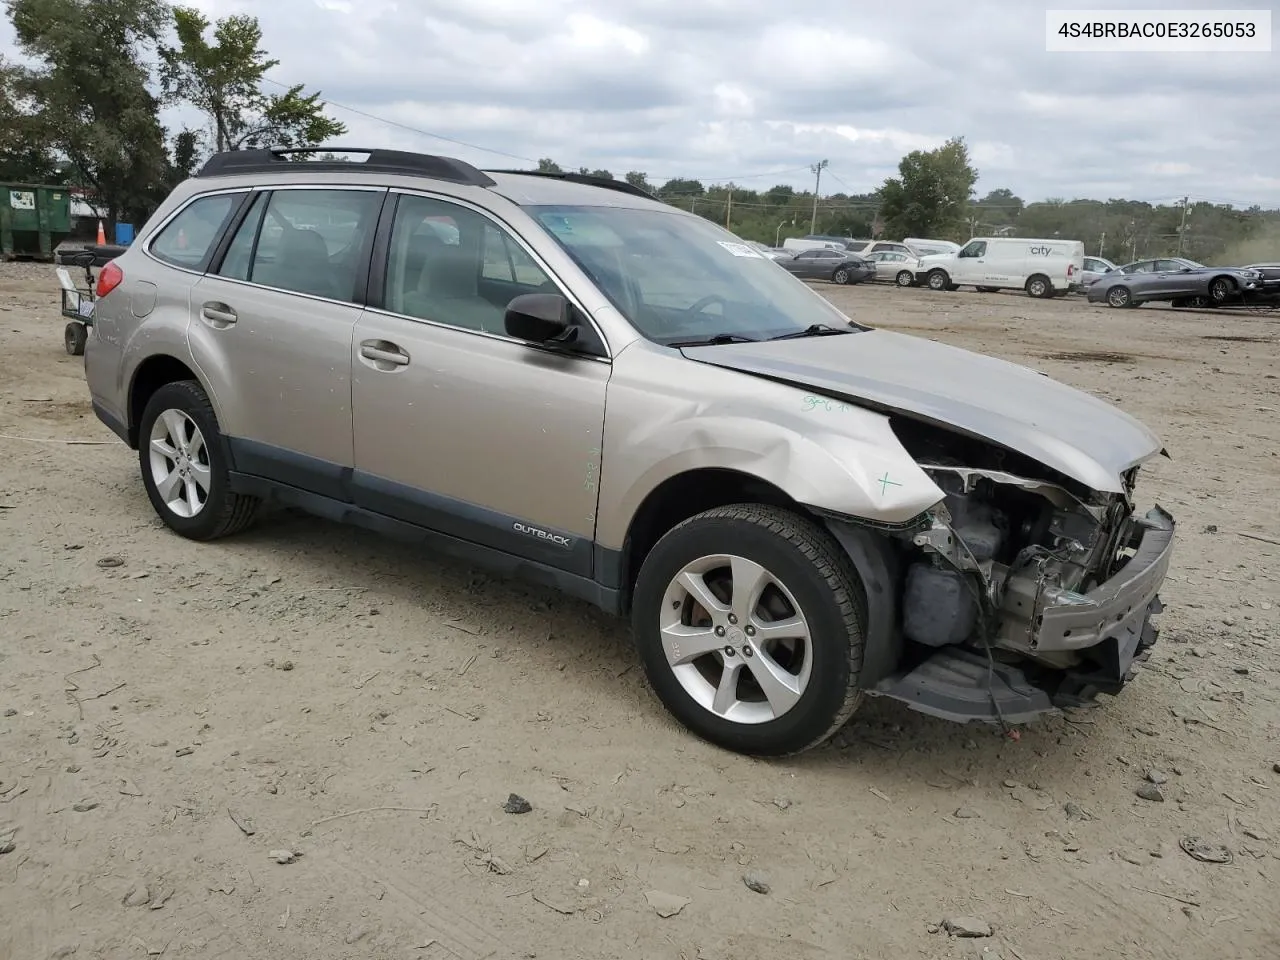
pixel 1022 593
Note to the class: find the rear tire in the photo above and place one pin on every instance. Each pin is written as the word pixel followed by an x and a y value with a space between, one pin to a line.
pixel 184 462
pixel 905 278
pixel 1120 297
pixel 841 276
pixel 810 593
pixel 1039 286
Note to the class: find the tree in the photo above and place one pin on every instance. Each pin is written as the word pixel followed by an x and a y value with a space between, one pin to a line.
pixel 682 188
pixel 91 88
pixel 931 193
pixel 1000 207
pixel 602 174
pixel 184 153
pixel 638 179
pixel 26 149
pixel 224 80
pixel 547 165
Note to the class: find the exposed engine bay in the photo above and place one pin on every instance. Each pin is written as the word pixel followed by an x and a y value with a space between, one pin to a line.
pixel 1020 566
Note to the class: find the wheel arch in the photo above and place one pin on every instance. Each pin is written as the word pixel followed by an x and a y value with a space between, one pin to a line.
pixel 682 496
pixel 152 374
pixel 1233 281
pixel 872 555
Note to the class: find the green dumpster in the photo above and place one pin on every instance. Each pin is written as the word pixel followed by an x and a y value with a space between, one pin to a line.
pixel 34 219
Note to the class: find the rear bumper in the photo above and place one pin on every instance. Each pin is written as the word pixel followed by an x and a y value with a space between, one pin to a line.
pixel 1110 627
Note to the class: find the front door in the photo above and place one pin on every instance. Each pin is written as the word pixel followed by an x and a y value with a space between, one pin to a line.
pixel 970 264
pixel 272 324
pixel 459 427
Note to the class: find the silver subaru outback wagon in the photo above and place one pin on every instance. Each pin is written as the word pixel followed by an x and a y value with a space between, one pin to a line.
pixel 564 379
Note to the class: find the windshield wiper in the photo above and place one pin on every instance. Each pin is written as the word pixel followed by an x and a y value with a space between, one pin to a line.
pixel 714 341
pixel 814 330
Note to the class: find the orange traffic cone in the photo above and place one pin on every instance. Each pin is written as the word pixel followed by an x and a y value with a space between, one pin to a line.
pixel 102 234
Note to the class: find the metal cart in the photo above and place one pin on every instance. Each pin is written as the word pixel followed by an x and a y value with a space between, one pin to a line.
pixel 77 302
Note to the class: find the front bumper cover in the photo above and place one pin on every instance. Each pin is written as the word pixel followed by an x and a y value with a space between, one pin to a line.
pixel 1110 626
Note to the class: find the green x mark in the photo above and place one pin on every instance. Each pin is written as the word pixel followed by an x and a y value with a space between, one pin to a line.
pixel 886 483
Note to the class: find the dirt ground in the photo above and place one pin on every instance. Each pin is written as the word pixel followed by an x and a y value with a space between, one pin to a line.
pixel 173 713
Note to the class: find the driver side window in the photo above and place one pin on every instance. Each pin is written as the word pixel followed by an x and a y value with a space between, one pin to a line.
pixel 977 248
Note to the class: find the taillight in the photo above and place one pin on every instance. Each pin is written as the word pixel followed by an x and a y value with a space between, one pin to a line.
pixel 1071 270
pixel 110 278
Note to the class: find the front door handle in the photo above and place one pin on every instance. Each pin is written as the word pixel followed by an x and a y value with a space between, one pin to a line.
pixel 381 351
pixel 218 314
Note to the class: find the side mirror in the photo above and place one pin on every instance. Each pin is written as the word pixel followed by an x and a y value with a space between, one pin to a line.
pixel 540 318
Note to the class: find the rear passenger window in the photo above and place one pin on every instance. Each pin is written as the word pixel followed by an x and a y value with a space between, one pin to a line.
pixel 189 238
pixel 308 241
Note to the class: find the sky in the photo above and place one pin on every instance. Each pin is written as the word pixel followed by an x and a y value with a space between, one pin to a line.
pixel 757 91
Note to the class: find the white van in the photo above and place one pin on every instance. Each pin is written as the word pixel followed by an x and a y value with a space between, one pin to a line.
pixel 923 247
pixel 796 244
pixel 1044 268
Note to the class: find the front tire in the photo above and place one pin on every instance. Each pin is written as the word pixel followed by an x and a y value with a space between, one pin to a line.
pixel 1221 290
pixel 749 622
pixel 938 280
pixel 184 463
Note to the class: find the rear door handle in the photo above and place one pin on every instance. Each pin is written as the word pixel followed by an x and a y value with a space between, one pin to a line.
pixel 218 314
pixel 381 351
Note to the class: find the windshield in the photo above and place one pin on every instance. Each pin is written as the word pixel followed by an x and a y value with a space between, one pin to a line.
pixel 679 278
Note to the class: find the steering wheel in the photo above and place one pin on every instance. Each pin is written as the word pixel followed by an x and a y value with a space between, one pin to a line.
pixel 705 302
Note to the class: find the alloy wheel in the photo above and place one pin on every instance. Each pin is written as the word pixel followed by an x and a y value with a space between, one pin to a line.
pixel 736 639
pixel 179 463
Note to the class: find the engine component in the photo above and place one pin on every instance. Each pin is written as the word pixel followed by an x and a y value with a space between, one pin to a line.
pixel 938 607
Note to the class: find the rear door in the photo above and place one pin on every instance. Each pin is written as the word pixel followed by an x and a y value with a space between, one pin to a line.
pixel 271 328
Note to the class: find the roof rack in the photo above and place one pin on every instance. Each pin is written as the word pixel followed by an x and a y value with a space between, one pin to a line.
pixel 275 159
pixel 608 183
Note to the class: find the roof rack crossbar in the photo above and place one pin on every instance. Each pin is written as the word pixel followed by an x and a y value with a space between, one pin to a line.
pixel 404 163
pixel 622 186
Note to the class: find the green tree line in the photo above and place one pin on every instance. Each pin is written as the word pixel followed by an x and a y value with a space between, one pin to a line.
pixel 86 112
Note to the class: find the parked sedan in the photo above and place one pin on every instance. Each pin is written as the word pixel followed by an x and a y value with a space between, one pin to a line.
pixel 1146 281
pixel 1095 268
pixel 838 266
pixel 896 267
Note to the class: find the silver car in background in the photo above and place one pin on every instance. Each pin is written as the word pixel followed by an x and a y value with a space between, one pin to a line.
pixel 1095 268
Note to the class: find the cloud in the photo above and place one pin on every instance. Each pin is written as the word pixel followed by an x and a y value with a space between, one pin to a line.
pixel 756 91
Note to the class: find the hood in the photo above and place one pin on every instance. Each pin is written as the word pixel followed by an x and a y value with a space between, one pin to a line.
pixel 1072 432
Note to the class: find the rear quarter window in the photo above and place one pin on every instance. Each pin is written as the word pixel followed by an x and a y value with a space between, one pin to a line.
pixel 189 238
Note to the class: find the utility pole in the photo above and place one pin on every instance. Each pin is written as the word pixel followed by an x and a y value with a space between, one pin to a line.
pixel 728 210
pixel 1182 227
pixel 817 169
pixel 1102 244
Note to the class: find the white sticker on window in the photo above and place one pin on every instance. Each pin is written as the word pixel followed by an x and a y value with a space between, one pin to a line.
pixel 741 249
